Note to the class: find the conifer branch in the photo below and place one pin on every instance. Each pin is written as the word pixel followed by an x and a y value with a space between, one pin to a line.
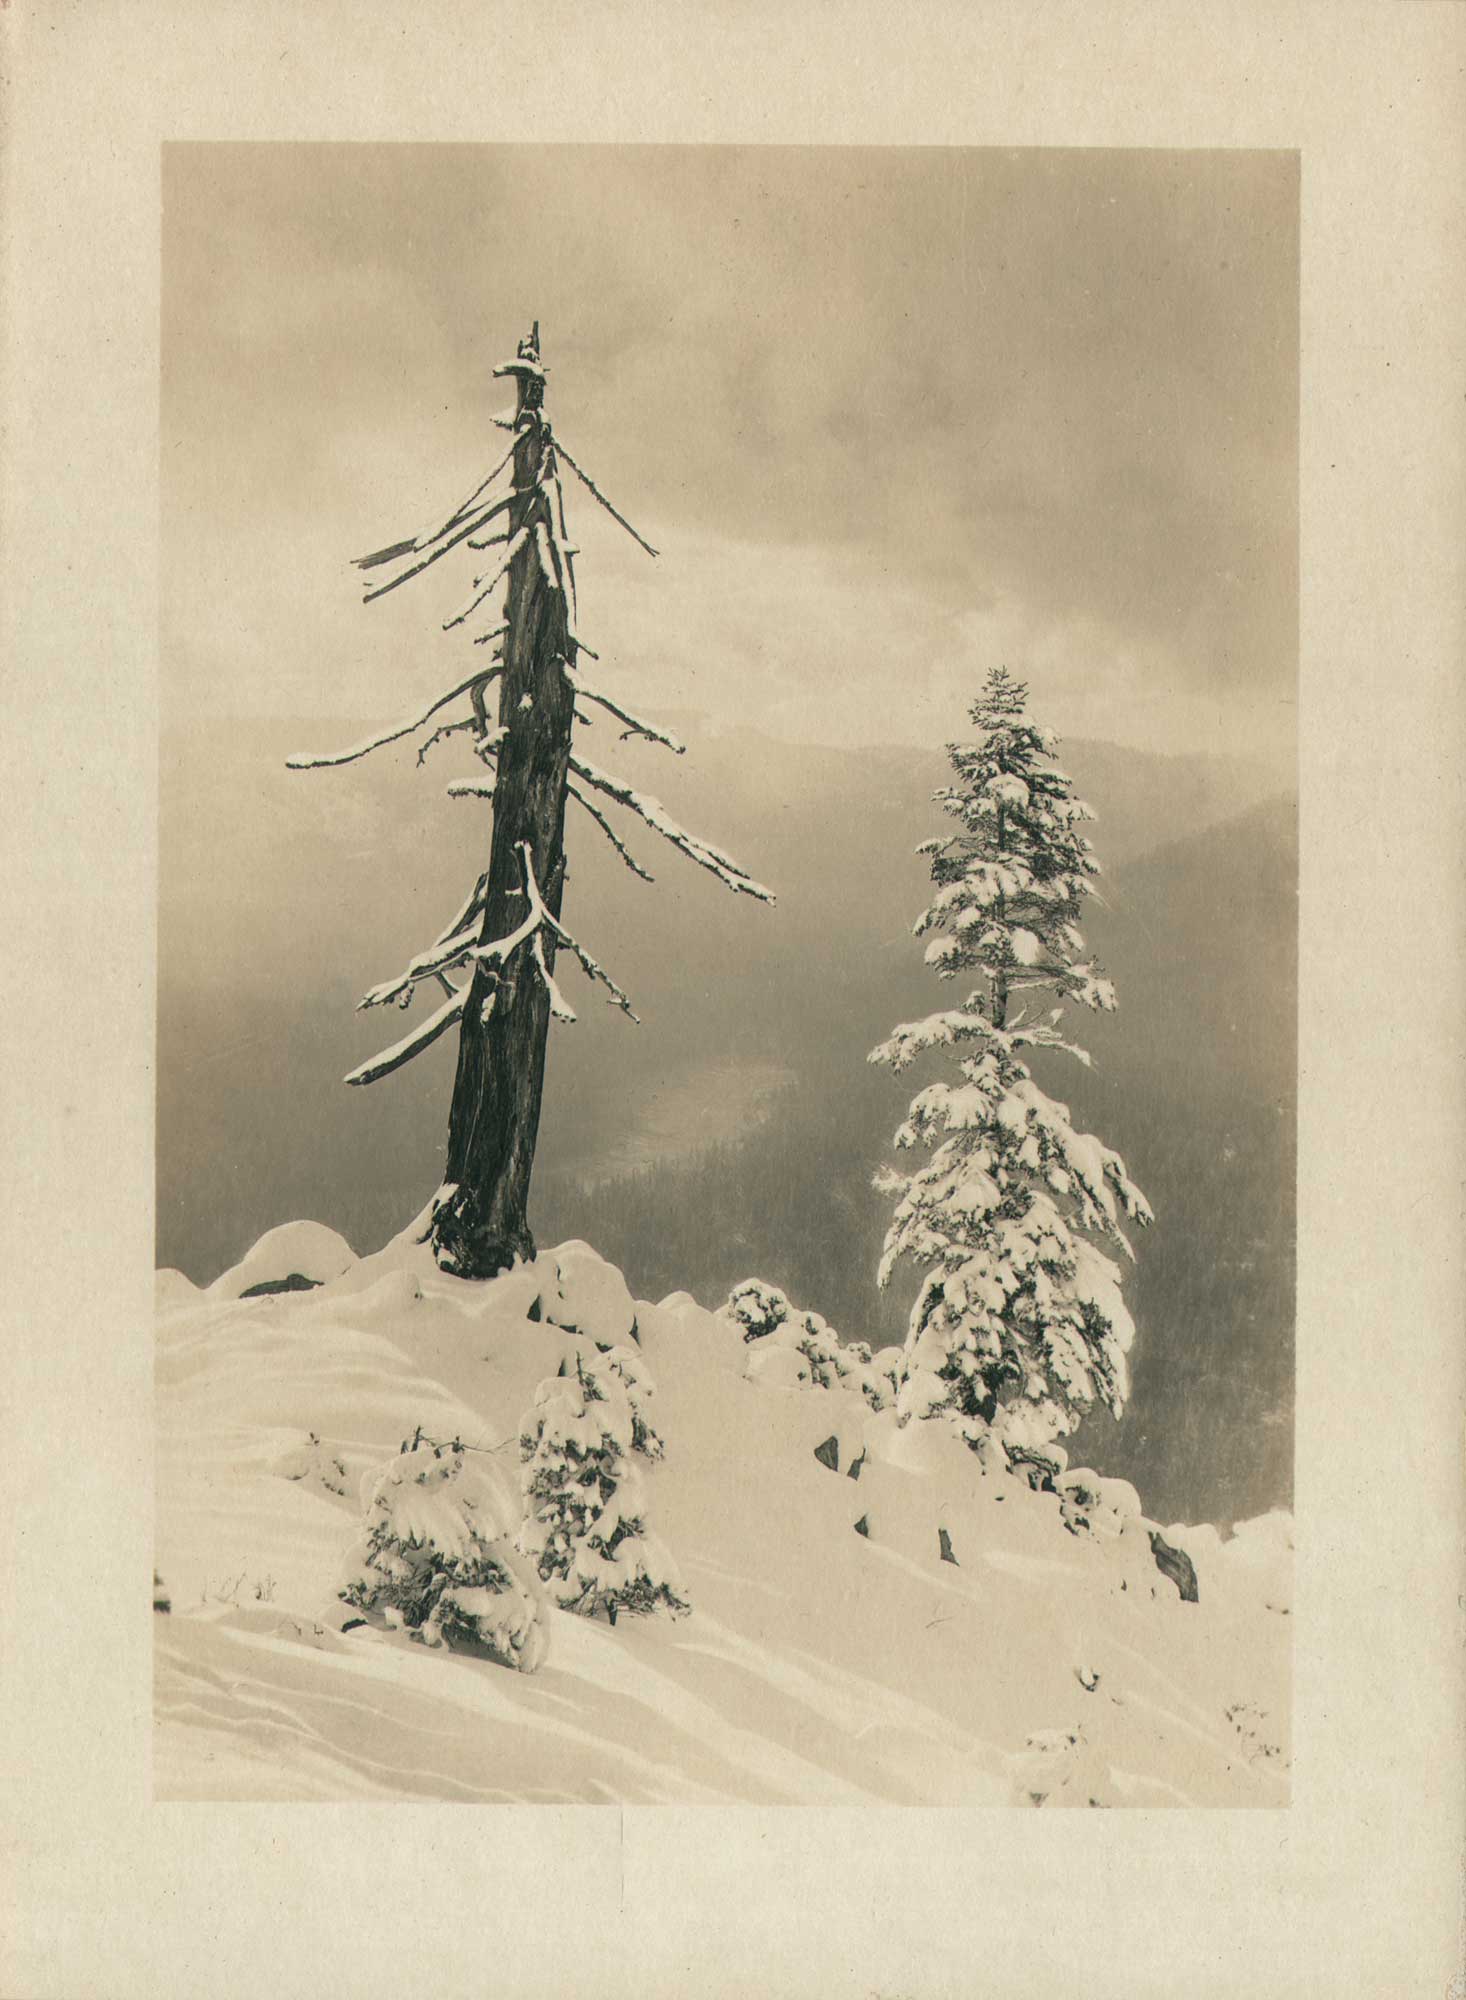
pixel 586 480
pixel 610 832
pixel 656 816
pixel 415 544
pixel 442 548
pixel 304 761
pixel 411 1045
pixel 634 724
pixel 515 545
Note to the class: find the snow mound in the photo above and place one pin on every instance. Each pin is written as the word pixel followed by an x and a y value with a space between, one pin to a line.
pixel 878 1614
pixel 300 1250
pixel 585 1294
pixel 172 1288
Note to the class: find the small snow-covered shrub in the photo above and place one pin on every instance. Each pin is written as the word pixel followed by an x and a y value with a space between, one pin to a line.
pixel 758 1308
pixel 765 1313
pixel 585 1505
pixel 314 1466
pixel 438 1557
pixel 1092 1505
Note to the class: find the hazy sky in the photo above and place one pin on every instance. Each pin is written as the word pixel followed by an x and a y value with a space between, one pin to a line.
pixel 892 416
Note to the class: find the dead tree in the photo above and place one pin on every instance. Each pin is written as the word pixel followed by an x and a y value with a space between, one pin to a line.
pixel 494 963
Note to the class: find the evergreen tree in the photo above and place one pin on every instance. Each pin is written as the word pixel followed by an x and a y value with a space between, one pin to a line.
pixel 438 1557
pixel 1019 1327
pixel 585 1504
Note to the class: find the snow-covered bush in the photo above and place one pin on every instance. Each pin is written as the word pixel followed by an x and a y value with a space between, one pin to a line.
pixel 765 1313
pixel 585 1504
pixel 438 1557
pixel 1019 1327
pixel 1092 1505
pixel 758 1308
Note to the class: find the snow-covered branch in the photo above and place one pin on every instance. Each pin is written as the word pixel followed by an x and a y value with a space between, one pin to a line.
pixel 303 761
pixel 438 958
pixel 516 544
pixel 415 544
pixel 587 481
pixel 504 948
pixel 560 1007
pixel 634 724
pixel 656 816
pixel 411 1045
pixel 441 548
pixel 561 539
pixel 539 919
pixel 610 832
pixel 471 908
pixel 594 971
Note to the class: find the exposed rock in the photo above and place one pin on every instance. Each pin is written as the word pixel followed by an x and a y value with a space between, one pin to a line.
pixel 828 1453
pixel 944 1545
pixel 294 1283
pixel 1177 1565
pixel 299 1250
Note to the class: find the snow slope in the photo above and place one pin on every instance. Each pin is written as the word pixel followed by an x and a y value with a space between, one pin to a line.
pixel 820 1665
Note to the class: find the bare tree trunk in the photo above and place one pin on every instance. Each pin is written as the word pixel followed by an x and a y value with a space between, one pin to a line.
pixel 482 1226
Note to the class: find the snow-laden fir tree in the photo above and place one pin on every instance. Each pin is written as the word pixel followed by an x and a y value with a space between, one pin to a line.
pixel 438 1556
pixel 585 1500
pixel 1019 1327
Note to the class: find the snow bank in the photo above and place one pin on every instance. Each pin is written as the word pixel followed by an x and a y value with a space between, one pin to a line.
pixel 302 1250
pixel 879 1615
pixel 585 1294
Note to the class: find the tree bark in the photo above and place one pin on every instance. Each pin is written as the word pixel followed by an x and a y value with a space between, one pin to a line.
pixel 481 1226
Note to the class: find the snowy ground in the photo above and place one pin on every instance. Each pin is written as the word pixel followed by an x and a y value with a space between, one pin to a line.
pixel 818 1666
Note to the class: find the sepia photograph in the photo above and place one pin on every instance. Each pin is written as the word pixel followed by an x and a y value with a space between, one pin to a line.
pixel 727 958
pixel 734 1108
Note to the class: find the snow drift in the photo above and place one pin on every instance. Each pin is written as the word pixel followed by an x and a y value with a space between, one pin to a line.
pixel 877 1614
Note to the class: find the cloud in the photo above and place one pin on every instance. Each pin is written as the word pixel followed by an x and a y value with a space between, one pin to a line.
pixel 892 414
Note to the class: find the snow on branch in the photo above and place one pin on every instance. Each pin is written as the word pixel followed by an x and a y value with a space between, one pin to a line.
pixel 303 761
pixel 610 832
pixel 471 788
pixel 549 567
pixel 504 948
pixel 539 919
pixel 411 1045
pixel 656 816
pixel 417 543
pixel 634 724
pixel 586 480
pixel 437 550
pixel 522 365
pixel 472 908
pixel 560 1007
pixel 593 971
pixel 437 959
pixel 515 545
pixel 563 550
